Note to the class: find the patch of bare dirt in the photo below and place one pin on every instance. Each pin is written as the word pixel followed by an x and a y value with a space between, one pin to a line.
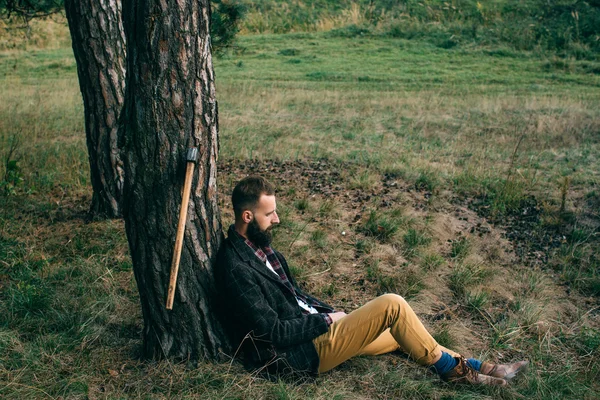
pixel 522 225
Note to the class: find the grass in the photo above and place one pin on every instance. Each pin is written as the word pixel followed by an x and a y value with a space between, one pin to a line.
pixel 364 246
pixel 464 276
pixel 397 120
pixel 444 337
pixel 578 263
pixel 405 108
pixel 319 239
pixel 460 248
pixel 379 226
pixel 426 181
pixel 302 204
pixel 406 282
pixel 414 238
pixel 327 209
pixel 431 262
pixel 363 180
pixel 476 300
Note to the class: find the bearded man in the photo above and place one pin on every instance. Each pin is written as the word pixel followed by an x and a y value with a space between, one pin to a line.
pixel 281 329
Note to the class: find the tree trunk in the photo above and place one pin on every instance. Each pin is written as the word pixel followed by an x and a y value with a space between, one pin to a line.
pixel 99 48
pixel 170 106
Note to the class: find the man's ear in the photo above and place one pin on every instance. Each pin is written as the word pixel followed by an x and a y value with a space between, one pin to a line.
pixel 247 216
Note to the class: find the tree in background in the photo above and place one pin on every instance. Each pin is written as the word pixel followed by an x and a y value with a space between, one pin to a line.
pixel 29 9
pixel 170 106
pixel 99 48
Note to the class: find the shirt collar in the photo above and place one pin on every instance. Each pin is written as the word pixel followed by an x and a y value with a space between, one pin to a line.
pixel 255 249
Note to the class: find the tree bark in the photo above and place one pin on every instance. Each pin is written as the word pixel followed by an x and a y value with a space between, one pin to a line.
pixel 99 49
pixel 170 105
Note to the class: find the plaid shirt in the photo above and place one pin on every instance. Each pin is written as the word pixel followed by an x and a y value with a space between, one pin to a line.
pixel 267 253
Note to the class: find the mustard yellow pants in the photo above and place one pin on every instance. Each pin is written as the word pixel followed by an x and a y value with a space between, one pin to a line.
pixel 383 325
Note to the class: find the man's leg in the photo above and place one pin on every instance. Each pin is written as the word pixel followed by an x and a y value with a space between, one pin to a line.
pixel 353 334
pixel 451 352
pixel 384 344
pixel 373 329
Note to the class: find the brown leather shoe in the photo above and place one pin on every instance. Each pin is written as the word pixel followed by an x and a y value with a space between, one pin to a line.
pixel 463 373
pixel 504 371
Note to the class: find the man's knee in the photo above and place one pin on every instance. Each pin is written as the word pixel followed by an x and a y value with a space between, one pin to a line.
pixel 394 298
pixel 393 302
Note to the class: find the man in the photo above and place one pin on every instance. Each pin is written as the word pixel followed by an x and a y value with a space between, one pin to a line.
pixel 280 328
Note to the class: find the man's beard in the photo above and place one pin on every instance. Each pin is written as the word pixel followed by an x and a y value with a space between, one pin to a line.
pixel 257 236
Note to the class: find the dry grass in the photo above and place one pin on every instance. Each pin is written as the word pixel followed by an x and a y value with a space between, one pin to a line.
pixel 46 33
pixel 416 156
pixel 442 140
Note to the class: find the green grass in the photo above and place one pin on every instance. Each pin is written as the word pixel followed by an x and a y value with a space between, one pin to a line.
pixel 429 111
pixel 382 227
pixel 364 246
pixel 460 248
pixel 431 262
pixel 327 209
pixel 476 300
pixel 434 118
pixel 464 276
pixel 363 180
pixel 414 238
pixel 578 263
pixel 319 239
pixel 444 337
pixel 426 181
pixel 442 105
pixel 400 280
pixel 302 204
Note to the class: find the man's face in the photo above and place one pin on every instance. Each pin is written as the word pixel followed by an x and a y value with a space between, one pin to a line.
pixel 264 217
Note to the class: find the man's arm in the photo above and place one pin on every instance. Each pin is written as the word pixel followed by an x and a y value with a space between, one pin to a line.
pixel 257 315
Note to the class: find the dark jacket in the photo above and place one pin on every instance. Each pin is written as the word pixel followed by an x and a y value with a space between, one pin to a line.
pixel 261 313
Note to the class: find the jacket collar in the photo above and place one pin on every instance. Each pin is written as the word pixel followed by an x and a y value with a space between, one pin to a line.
pixel 247 255
pixel 237 241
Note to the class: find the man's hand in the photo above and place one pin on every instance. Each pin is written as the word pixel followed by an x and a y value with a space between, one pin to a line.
pixel 337 315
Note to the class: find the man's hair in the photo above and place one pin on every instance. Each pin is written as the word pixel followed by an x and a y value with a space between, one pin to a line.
pixel 247 192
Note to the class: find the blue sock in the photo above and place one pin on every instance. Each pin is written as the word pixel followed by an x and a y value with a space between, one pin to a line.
pixel 444 364
pixel 474 363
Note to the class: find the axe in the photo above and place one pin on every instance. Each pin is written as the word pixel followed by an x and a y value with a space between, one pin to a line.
pixel 192 158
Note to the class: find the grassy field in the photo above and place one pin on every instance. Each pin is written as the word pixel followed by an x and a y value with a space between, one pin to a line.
pixel 466 179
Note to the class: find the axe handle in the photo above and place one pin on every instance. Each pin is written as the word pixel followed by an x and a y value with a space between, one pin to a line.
pixel 187 188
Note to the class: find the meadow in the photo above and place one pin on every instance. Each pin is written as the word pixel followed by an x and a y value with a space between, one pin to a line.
pixel 465 178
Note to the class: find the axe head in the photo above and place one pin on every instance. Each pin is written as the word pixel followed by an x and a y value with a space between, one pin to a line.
pixel 192 154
